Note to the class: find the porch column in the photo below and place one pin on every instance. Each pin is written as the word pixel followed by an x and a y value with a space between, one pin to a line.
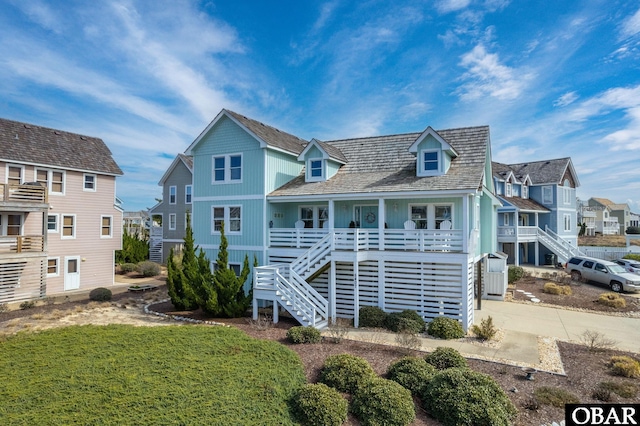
pixel 381 221
pixel 332 291
pixel 537 260
pixel 331 215
pixel 465 222
pixel 381 284
pixel 356 293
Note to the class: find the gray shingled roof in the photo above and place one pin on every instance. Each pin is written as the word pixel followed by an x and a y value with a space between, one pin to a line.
pixel 188 160
pixel 272 136
pixel 524 203
pixel 333 152
pixel 546 171
pixel 28 143
pixel 384 164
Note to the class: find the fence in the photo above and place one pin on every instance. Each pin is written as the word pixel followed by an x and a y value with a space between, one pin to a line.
pixel 605 253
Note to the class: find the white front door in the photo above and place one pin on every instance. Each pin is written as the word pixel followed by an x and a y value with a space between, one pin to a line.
pixel 72 273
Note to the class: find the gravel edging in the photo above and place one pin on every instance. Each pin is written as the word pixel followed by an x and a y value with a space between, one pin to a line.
pixel 148 310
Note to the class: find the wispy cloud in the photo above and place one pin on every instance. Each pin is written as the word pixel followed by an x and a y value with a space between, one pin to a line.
pixel 630 26
pixel 566 99
pixel 446 6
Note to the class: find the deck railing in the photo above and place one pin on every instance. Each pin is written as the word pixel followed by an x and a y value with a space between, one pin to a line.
pixel 358 239
pixel 21 244
pixel 23 192
pixel 509 231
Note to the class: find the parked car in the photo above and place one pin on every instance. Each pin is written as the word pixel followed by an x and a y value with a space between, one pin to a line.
pixel 629 265
pixel 603 272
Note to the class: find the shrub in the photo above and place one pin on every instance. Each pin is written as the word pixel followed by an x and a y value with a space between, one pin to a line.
pixel 445 328
pixel 345 371
pixel 596 341
pixel 633 230
pixel 125 268
pixel 408 340
pixel 613 300
pixel 624 366
pixel 383 402
pixel 338 330
pixel 300 334
pixel 459 396
pixel 27 305
pixel 148 268
pixel 515 273
pixel 371 316
pixel 632 256
pixel 625 390
pixel 319 405
pixel 557 397
pixel 407 320
pixel 553 288
pixel 3 307
pixel 443 358
pixel 100 294
pixel 486 330
pixel 411 372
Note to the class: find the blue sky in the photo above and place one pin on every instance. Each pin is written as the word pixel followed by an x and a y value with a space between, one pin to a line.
pixel 551 79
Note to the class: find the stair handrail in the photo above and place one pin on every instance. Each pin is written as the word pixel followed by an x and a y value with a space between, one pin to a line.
pixel 302 296
pixel 563 246
pixel 313 254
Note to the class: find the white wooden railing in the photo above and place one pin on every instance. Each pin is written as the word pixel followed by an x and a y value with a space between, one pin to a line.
pixel 561 247
pixel 509 231
pixel 314 258
pixel 357 239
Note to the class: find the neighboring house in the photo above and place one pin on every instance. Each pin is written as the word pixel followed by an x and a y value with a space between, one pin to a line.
pixel 614 219
pixel 136 223
pixel 634 220
pixel 397 221
pixel 587 216
pixel 59 225
pixel 538 219
pixel 177 194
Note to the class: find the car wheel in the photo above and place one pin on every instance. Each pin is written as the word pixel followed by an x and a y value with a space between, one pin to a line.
pixel 576 276
pixel 616 286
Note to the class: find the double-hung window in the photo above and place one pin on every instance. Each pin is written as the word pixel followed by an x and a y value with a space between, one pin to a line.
pixel 430 162
pixel 52 223
pixel 508 189
pixel 525 191
pixel 51 179
pixel 105 226
pixel 431 216
pixel 230 215
pixel 227 168
pixel 15 175
pixel 547 195
pixel 172 222
pixel 89 182
pixel 567 222
pixel 172 194
pixel 52 267
pixel 188 189
pixel 68 226
pixel 315 170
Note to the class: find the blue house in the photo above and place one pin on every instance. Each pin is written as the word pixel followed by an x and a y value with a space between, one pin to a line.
pixel 397 221
pixel 538 220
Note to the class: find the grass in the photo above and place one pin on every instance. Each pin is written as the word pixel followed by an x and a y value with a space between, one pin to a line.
pixel 127 375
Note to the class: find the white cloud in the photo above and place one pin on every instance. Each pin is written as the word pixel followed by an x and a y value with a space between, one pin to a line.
pixel 630 26
pixel 486 76
pixel 41 14
pixel 446 6
pixel 566 99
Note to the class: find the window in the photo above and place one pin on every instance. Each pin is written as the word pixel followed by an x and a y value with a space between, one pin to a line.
pixel 430 216
pixel 52 223
pixel 314 216
pixel 52 180
pixel 227 169
pixel 567 222
pixel 547 195
pixel 187 194
pixel 172 222
pixel 587 264
pixel 89 182
pixel 230 215
pixel 42 176
pixel 52 267
pixel 525 191
pixel 567 192
pixel 14 224
pixel 235 267
pixel 506 219
pixel 508 190
pixel 419 216
pixel 105 227
pixel 429 163
pixel 172 195
pixel 68 226
pixel 15 175
pixel 315 170
pixel 442 213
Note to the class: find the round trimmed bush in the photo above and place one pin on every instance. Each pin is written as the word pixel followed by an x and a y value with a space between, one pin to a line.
pixel 300 334
pixel 371 316
pixel 613 300
pixel 443 358
pixel 100 294
pixel 125 268
pixel 345 372
pixel 383 402
pixel 319 405
pixel 148 268
pixel 411 372
pixel 445 328
pixel 459 396
pixel 406 320
pixel 514 273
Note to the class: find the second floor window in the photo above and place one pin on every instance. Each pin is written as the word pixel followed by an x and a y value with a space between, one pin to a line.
pixel 172 221
pixel 230 215
pixel 172 194
pixel 15 175
pixel 547 195
pixel 525 191
pixel 51 179
pixel 52 223
pixel 105 227
pixel 187 194
pixel 68 226
pixel 89 182
pixel 508 189
pixel 227 168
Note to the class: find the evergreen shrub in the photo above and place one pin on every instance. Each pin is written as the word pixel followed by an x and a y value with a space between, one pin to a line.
pixel 486 330
pixel 125 268
pixel 100 294
pixel 407 320
pixel 443 358
pixel 515 273
pixel 445 328
pixel 411 372
pixel 345 371
pixel 371 316
pixel 148 268
pixel 383 402
pixel 319 405
pixel 300 334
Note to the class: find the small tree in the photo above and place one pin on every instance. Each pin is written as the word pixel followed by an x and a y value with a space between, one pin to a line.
pixel 134 249
pixel 184 282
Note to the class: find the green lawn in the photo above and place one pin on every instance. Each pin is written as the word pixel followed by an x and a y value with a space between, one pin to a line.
pixel 120 375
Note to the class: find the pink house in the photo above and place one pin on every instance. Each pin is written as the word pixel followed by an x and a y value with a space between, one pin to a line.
pixel 59 223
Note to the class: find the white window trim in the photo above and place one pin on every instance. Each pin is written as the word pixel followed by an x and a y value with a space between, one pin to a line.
pixel 174 221
pixel 567 220
pixel 547 189
pixel 187 193
pixel 508 190
pixel 84 182
pixel 175 197
pixel 17 166
pixel 316 214
pixel 567 195
pixel 57 273
pixel 74 229
pixel 57 230
pixel 50 179
pixel 525 191
pixel 227 169
pixel 323 167
pixel 110 226
pixel 421 169
pixel 431 213
pixel 226 220
pixel 505 219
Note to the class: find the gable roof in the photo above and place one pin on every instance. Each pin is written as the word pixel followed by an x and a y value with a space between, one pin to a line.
pixel 268 136
pixel 187 160
pixel 329 150
pixel 603 201
pixel 524 204
pixel 541 172
pixel 41 146
pixel 384 164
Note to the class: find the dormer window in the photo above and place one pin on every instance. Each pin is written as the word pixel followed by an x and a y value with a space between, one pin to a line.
pixel 315 170
pixel 508 189
pixel 430 163
pixel 525 191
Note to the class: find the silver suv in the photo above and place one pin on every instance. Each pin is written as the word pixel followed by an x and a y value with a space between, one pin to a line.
pixel 603 272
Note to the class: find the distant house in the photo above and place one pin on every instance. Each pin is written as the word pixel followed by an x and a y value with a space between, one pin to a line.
pixel 618 215
pixel 177 199
pixel 136 223
pixel 587 217
pixel 634 220
pixel 59 224
pixel 538 220
pixel 395 221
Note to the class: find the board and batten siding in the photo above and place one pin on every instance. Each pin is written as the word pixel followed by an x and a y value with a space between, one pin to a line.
pixel 96 253
pixel 179 177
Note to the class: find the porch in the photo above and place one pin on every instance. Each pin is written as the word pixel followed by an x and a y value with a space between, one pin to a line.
pixel 15 244
pixel 22 194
